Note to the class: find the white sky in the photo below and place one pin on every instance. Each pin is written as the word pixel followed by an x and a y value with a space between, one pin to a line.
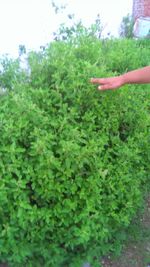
pixel 31 22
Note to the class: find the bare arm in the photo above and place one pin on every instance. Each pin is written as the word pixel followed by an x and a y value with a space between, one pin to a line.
pixel 136 76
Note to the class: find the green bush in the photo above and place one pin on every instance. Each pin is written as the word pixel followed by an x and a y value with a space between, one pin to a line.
pixel 126 27
pixel 74 161
pixel 10 73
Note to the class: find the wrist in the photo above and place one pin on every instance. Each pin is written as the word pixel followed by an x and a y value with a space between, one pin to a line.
pixel 123 79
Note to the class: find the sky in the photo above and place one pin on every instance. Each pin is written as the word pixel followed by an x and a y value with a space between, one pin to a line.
pixel 32 22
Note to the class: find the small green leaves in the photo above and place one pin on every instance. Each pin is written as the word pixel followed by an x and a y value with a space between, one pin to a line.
pixel 74 162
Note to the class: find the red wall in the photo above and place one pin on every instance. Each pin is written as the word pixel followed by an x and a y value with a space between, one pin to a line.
pixel 141 8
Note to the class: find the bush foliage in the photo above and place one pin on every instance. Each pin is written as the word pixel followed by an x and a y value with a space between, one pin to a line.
pixel 74 161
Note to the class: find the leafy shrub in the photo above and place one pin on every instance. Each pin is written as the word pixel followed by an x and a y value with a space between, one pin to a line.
pixel 74 161
pixel 126 27
pixel 126 55
pixel 10 73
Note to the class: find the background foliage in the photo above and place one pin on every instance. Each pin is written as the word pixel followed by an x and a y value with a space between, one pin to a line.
pixel 126 27
pixel 74 161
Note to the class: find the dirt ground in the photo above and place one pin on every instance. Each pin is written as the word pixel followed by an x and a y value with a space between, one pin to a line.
pixel 137 252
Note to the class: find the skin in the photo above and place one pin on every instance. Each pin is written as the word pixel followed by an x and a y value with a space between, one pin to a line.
pixel 139 76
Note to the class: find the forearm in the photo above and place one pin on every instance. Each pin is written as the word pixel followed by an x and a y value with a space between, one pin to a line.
pixel 137 76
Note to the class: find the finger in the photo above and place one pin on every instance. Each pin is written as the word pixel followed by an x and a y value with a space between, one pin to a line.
pixel 106 87
pixel 98 80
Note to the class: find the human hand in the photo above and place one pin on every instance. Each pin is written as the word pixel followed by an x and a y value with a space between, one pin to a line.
pixel 108 83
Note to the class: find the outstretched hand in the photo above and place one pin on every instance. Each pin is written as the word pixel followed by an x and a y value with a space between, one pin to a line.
pixel 108 83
